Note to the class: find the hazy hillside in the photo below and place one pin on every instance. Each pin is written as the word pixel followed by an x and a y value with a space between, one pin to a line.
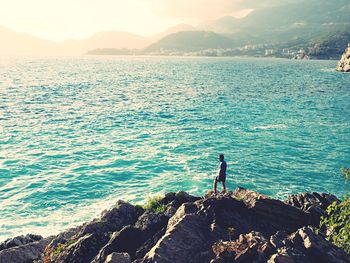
pixel 21 43
pixel 13 42
pixel 318 26
pixel 290 25
pixel 188 41
pixel 107 39
pixel 308 19
pixel 225 25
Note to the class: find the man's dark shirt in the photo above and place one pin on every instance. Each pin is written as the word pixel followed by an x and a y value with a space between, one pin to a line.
pixel 222 167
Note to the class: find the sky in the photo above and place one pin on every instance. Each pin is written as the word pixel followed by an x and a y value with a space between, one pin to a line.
pixel 66 19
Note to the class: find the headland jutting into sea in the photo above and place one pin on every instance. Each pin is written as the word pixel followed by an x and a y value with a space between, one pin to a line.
pixel 239 226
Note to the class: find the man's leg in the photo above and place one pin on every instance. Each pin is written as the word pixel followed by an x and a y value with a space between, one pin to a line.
pixel 215 186
pixel 224 186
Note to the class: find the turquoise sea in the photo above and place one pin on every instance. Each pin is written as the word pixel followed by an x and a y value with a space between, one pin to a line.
pixel 76 134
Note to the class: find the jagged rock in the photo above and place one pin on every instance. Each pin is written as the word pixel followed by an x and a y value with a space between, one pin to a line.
pixel 118 258
pixel 19 241
pixel 91 237
pixel 186 236
pixel 153 226
pixel 131 239
pixel 173 201
pixel 320 250
pixel 171 209
pixel 113 220
pixel 278 240
pixel 261 229
pixel 150 221
pixel 184 197
pixel 62 238
pixel 279 214
pixel 149 243
pixel 179 197
pixel 305 200
pixel 82 250
pixel 252 247
pixel 303 246
pixel 314 203
pixel 24 253
pixel 126 240
pixel 344 63
pixel 288 255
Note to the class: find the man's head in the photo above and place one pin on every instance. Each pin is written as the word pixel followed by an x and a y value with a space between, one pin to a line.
pixel 221 157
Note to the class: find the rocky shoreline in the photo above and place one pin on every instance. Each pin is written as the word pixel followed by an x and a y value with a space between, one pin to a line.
pixel 239 226
pixel 344 63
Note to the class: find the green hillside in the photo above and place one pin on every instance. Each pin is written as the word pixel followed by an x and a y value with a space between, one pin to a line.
pixel 189 41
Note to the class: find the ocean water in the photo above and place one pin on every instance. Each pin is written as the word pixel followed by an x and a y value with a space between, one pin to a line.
pixel 76 134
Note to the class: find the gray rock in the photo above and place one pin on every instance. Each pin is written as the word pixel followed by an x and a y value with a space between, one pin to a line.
pixel 186 236
pixel 150 221
pixel 280 215
pixel 320 250
pixel 91 237
pixel 344 63
pixel 132 239
pixel 126 240
pixel 113 220
pixel 118 258
pixel 251 247
pixel 19 241
pixel 288 255
pixel 313 203
pixel 24 253
pixel 302 246
pixel 84 249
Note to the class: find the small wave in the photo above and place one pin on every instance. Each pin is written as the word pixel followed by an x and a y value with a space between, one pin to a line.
pixel 271 127
pixel 328 69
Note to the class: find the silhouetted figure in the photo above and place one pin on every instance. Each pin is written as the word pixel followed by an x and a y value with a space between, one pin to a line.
pixel 222 173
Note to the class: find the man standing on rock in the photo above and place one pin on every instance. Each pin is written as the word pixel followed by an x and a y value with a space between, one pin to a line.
pixel 222 174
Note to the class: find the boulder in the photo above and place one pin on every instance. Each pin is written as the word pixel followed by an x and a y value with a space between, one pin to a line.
pixel 280 215
pixel 187 236
pixel 302 246
pixel 344 63
pixel 126 240
pixel 19 241
pixel 80 250
pixel 153 226
pixel 318 249
pixel 113 220
pixel 313 203
pixel 24 253
pixel 151 222
pixel 251 247
pixel 88 239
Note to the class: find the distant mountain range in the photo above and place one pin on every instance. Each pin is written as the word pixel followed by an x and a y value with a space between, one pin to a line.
pixel 320 28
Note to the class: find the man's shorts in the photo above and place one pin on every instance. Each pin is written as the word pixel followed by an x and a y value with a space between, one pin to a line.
pixel 220 178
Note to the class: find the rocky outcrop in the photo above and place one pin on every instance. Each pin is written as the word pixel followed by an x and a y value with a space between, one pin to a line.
pixel 19 241
pixel 86 241
pixel 344 63
pixel 313 203
pixel 302 246
pixel 239 226
pixel 26 253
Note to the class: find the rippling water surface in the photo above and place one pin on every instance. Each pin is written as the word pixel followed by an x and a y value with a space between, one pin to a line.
pixel 76 134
